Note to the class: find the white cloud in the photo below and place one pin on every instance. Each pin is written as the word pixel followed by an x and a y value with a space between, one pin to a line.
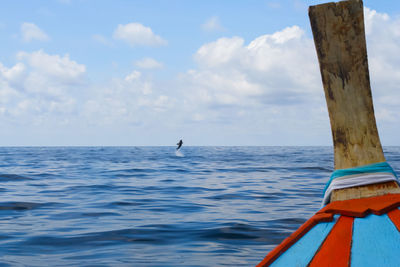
pixel 61 69
pixel 276 78
pixel 12 74
pixel 134 75
pixel 383 39
pixel 373 20
pixel 31 32
pixel 148 63
pixel 222 51
pixel 132 100
pixel 266 71
pixel 247 91
pixel 40 87
pixel 101 39
pixel 217 88
pixel 9 79
pixel 268 87
pixel 138 34
pixel 383 44
pixel 212 24
pixel 44 90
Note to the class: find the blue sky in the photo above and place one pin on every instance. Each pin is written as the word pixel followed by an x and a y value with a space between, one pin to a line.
pixel 85 72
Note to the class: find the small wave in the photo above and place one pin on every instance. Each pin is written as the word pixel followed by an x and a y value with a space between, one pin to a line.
pixel 104 238
pixel 316 168
pixel 189 189
pixel 125 203
pixel 242 233
pixel 184 208
pixel 176 170
pixel 45 175
pixel 286 222
pixel 230 196
pixel 4 177
pixel 271 196
pixel 97 188
pixel 168 180
pixel 157 205
pixel 21 205
pixel 80 215
pixel 159 235
pixel 131 170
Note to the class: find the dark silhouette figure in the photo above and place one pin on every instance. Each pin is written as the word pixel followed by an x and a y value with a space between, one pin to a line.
pixel 180 143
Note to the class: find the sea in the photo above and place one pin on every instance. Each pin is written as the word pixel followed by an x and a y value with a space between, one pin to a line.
pixel 154 206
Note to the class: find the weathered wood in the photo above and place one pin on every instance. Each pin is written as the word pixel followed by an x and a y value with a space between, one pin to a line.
pixel 339 37
pixel 365 191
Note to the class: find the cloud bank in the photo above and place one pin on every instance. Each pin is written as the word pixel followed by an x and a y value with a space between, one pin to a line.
pixel 40 86
pixel 277 69
pixel 259 91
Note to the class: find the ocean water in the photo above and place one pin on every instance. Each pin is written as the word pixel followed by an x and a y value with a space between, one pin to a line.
pixel 148 206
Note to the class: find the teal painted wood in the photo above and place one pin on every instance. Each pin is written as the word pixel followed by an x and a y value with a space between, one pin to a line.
pixel 370 168
pixel 376 242
pixel 302 252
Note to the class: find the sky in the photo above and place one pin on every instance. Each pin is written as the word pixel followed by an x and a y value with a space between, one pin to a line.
pixel 148 73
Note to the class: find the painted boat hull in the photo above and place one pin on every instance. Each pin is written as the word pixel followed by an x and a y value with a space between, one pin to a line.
pixel 358 232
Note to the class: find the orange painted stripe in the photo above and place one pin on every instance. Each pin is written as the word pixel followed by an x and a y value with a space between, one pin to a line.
pixel 293 238
pixel 363 206
pixel 394 215
pixel 335 251
pixel 347 208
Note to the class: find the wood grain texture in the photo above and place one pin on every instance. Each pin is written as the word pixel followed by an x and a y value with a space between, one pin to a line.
pixel 365 191
pixel 339 37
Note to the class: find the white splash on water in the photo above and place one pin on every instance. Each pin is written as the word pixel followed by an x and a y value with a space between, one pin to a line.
pixel 178 153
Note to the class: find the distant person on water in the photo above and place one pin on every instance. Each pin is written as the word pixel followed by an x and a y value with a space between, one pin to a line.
pixel 180 143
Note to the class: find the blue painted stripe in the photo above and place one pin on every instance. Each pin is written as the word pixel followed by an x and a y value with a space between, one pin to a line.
pixel 302 252
pixel 376 242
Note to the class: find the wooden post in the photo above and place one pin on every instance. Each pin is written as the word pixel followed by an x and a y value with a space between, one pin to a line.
pixel 339 37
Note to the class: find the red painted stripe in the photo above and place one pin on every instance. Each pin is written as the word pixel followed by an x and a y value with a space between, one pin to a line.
pixel 335 251
pixel 293 238
pixel 394 215
pixel 352 208
pixel 363 206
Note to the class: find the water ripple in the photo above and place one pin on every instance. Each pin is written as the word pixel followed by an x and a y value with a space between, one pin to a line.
pixel 22 205
pixel 143 206
pixel 12 177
